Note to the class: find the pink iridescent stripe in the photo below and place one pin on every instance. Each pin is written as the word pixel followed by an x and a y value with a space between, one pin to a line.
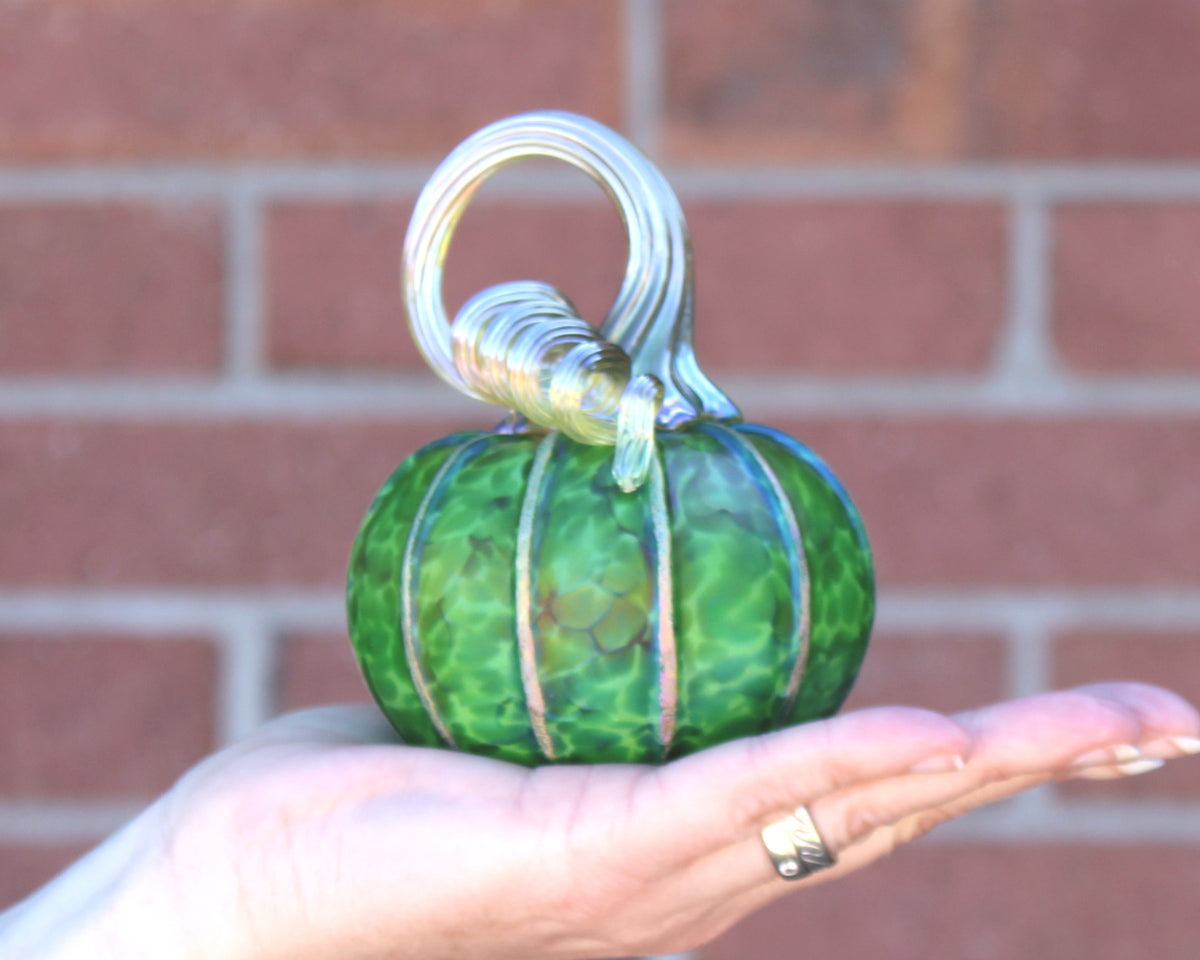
pixel 535 700
pixel 408 606
pixel 668 661
pixel 801 588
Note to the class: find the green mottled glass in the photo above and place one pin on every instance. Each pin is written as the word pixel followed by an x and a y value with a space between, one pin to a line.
pixel 506 598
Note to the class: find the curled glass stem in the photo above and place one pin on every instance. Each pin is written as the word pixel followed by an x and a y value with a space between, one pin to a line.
pixel 522 345
pixel 651 316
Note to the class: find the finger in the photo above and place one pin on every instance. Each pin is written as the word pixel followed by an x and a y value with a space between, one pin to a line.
pixel 1041 737
pixel 1017 744
pixel 1169 724
pixel 881 842
pixel 1087 727
pixel 758 883
pixel 724 793
pixel 1157 704
pixel 1047 730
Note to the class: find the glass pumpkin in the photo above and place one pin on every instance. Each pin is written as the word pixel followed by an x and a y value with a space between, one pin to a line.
pixel 528 594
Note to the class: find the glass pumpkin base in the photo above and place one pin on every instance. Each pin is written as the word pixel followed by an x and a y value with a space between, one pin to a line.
pixel 507 599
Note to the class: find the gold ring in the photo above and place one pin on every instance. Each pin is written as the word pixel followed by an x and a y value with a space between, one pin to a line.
pixel 795 847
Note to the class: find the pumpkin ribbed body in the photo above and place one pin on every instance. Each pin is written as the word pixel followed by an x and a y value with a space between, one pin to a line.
pixel 506 598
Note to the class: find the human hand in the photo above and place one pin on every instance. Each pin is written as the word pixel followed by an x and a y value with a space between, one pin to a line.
pixel 320 837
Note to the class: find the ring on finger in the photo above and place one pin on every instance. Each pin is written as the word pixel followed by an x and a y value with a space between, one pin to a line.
pixel 795 847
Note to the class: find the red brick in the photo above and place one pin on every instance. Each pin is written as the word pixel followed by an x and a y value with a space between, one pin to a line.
pixel 1168 659
pixel 1059 79
pixel 1126 287
pixel 102 288
pixel 848 287
pixel 844 288
pixel 316 670
pixel 274 78
pixel 931 80
pixel 939 672
pixel 26 866
pixel 1070 902
pixel 782 79
pixel 104 717
pixel 334 272
pixel 1037 503
pixel 192 503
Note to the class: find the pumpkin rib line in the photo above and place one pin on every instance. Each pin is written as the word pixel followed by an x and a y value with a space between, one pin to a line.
pixel 535 698
pixel 818 466
pixel 801 582
pixel 668 658
pixel 408 618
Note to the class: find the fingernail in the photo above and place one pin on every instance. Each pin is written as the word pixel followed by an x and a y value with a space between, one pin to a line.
pixel 1167 748
pixel 942 763
pixel 1107 756
pixel 1131 769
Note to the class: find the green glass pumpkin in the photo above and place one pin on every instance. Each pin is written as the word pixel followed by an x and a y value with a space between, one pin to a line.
pixel 513 594
pixel 656 622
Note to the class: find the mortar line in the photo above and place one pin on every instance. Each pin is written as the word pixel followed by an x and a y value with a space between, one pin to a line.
pixel 993 395
pixel 643 73
pixel 1135 182
pixel 1033 612
pixel 1029 653
pixel 264 395
pixel 63 821
pixel 244 283
pixel 1025 352
pixel 307 397
pixel 248 666
pixel 171 612
pixel 1052 182
pixel 1105 823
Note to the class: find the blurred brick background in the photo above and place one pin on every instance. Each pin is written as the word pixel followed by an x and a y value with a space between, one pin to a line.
pixel 953 245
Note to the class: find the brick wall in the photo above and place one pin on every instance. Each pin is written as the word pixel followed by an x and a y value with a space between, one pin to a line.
pixel 953 245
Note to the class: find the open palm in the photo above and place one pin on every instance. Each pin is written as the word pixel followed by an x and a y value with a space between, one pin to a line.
pixel 321 836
